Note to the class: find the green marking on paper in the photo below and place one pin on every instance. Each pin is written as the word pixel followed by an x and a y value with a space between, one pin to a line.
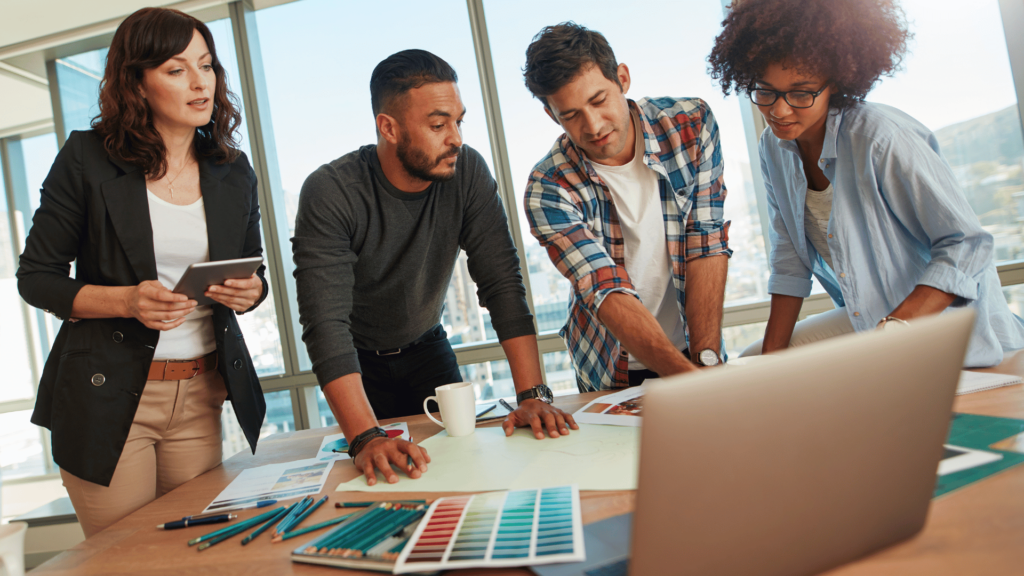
pixel 979 432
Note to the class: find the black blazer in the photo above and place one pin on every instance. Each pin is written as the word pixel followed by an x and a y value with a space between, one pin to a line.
pixel 94 210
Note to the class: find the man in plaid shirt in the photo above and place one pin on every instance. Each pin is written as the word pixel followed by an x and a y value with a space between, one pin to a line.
pixel 629 205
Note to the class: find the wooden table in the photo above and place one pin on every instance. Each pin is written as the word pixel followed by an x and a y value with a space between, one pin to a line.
pixel 976 530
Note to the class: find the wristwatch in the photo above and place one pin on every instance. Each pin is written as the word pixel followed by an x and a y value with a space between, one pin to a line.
pixel 891 322
pixel 540 392
pixel 359 441
pixel 708 357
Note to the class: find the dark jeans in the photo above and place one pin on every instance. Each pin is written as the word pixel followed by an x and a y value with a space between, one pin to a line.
pixel 637 377
pixel 396 384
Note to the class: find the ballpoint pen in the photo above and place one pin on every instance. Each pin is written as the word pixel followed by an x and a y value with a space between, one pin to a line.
pixel 506 405
pixel 186 522
pixel 486 410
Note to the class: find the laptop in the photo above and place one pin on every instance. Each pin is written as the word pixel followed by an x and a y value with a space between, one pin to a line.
pixel 791 466
pixel 801 464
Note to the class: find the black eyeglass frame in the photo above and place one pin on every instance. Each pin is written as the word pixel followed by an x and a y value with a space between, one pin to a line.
pixel 785 96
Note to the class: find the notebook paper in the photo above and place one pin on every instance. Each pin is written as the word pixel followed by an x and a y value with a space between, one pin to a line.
pixel 979 381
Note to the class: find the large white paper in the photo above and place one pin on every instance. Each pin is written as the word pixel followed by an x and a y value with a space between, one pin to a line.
pixel 958 458
pixel 272 482
pixel 593 457
pixel 333 442
pixel 619 409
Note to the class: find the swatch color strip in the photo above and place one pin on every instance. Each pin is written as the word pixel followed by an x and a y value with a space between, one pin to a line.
pixel 478 528
pixel 555 527
pixel 515 528
pixel 440 530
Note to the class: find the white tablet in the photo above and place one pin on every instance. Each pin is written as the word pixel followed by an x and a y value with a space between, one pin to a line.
pixel 201 275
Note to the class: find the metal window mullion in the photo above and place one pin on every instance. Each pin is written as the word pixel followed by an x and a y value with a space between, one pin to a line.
pixel 1012 12
pixel 55 103
pixel 499 149
pixel 261 142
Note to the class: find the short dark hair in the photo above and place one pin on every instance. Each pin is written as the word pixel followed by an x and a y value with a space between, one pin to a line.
pixel 851 43
pixel 560 53
pixel 404 71
pixel 145 40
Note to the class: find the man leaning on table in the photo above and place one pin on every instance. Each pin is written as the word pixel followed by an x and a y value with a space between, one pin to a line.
pixel 377 235
pixel 628 203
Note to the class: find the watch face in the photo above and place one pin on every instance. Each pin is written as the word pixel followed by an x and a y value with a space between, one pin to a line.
pixel 544 393
pixel 708 357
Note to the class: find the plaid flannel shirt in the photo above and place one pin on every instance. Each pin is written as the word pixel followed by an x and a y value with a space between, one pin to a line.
pixel 572 215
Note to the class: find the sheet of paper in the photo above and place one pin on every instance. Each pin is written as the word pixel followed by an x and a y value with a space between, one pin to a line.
pixel 496 529
pixel 619 409
pixel 979 381
pixel 333 442
pixel 272 482
pixel 958 458
pixel 593 458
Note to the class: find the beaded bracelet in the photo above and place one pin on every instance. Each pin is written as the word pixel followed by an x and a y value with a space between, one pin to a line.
pixel 361 440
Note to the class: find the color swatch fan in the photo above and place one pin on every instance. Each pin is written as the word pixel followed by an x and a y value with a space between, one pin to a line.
pixel 517 528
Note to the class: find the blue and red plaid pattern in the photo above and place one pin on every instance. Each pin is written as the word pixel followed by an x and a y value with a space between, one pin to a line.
pixel 572 215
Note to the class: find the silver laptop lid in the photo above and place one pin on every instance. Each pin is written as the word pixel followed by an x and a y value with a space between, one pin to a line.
pixel 798 464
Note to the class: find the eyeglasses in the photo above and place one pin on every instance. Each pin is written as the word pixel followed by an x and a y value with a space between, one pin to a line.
pixel 795 98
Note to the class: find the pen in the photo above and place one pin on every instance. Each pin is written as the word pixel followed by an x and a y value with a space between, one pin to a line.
pixel 264 503
pixel 186 522
pixel 506 405
pixel 486 410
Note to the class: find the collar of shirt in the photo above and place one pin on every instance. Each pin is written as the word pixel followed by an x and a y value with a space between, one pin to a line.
pixel 576 156
pixel 829 149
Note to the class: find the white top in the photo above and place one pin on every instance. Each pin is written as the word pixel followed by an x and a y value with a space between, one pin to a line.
pixel 179 239
pixel 817 211
pixel 637 199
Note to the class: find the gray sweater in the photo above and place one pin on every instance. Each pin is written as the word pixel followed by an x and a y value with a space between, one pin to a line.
pixel 373 263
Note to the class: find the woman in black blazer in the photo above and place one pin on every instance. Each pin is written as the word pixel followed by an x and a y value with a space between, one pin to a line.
pixel 156 185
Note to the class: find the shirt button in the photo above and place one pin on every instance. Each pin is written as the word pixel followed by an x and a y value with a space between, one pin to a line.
pixel 856 313
pixel 118 337
pixel 829 235
pixel 237 365
pixel 98 379
pixel 842 274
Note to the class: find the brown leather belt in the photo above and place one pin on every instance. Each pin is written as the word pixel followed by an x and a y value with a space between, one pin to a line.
pixel 182 369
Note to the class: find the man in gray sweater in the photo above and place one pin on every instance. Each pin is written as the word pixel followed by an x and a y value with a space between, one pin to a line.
pixel 377 235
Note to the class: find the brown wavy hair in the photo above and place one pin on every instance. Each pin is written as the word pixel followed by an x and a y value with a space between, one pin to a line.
pixel 145 40
pixel 852 43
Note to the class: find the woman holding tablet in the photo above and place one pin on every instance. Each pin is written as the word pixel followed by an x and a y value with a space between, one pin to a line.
pixel 133 386
pixel 858 193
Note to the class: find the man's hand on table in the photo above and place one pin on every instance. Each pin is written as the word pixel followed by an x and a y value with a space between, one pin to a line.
pixel 539 415
pixel 381 453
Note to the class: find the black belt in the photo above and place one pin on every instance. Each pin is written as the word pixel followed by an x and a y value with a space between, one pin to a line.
pixel 433 332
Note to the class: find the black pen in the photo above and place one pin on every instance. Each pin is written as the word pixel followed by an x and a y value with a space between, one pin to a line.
pixel 185 523
pixel 506 405
pixel 486 410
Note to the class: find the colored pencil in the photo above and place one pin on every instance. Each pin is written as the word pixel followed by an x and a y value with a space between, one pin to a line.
pixel 368 504
pixel 234 528
pixel 298 519
pixel 313 528
pixel 343 532
pixel 262 528
pixel 360 545
pixel 299 507
pixel 299 511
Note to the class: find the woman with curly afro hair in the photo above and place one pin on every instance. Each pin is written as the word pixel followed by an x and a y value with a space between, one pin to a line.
pixel 858 193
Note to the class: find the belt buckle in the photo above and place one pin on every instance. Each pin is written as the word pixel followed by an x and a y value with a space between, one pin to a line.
pixel 389 352
pixel 167 364
pixel 195 368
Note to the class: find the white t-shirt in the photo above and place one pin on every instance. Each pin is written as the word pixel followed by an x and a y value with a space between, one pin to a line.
pixel 179 239
pixel 817 211
pixel 634 191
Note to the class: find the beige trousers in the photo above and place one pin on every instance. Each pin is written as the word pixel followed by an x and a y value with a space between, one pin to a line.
pixel 176 436
pixel 812 329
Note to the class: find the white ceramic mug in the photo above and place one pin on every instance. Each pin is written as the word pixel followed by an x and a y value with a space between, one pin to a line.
pixel 458 408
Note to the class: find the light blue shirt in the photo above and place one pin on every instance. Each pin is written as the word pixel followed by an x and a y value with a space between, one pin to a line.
pixel 899 219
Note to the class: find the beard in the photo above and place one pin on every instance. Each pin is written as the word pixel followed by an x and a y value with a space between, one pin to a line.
pixel 419 165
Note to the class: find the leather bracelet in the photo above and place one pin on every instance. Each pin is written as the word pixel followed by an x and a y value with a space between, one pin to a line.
pixel 362 439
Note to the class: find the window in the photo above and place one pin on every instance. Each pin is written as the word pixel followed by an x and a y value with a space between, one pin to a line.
pixel 318 86
pixel 973 112
pixel 674 65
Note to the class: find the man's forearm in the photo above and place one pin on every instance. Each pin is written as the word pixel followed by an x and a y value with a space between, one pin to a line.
pixel 705 295
pixel 349 405
pixel 781 319
pixel 639 333
pixel 523 361
pixel 923 301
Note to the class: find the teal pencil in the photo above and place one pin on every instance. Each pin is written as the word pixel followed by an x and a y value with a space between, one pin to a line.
pixel 241 526
pixel 266 525
pixel 238 530
pixel 345 531
pixel 400 519
pixel 298 519
pixel 312 528
pixel 368 504
pixel 299 507
pixel 381 523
